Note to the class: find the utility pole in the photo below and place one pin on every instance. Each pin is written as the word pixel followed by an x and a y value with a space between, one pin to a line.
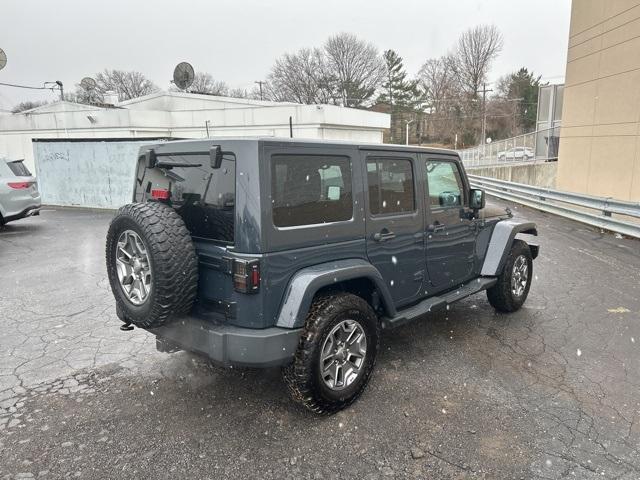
pixel 259 82
pixel 484 92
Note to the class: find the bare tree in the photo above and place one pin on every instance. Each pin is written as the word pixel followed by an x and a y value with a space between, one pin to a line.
pixel 346 71
pixel 127 84
pixel 300 77
pixel 443 98
pixel 254 93
pixel 437 80
pixel 205 84
pixel 471 61
pixel 237 93
pixel 355 66
pixel 27 105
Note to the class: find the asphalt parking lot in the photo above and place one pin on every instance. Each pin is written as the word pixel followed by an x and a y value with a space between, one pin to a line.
pixel 551 391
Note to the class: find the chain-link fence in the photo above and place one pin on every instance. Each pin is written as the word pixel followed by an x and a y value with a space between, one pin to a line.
pixel 540 145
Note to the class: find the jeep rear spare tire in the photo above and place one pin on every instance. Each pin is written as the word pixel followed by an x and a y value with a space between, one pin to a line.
pixel 151 264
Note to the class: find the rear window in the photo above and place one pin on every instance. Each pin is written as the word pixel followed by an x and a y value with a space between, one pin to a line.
pixel 204 197
pixel 310 189
pixel 19 169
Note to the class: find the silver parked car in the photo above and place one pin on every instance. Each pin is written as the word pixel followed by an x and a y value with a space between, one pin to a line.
pixel 19 195
pixel 517 153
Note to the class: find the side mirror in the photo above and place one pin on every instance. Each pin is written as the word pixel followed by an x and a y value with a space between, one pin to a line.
pixel 150 158
pixel 215 157
pixel 476 199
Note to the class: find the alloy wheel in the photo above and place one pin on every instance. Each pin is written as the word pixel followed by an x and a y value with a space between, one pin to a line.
pixel 134 267
pixel 519 276
pixel 342 355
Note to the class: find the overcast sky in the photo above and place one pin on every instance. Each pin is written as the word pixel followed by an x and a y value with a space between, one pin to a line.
pixel 237 40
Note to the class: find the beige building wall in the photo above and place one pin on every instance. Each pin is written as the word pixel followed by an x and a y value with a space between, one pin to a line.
pixel 600 135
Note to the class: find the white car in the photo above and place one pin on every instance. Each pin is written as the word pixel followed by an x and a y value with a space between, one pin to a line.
pixel 19 196
pixel 517 153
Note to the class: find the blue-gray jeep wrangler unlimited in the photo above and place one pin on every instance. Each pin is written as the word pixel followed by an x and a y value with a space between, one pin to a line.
pixel 266 251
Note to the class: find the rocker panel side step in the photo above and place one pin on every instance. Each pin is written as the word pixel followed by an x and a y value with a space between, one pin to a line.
pixel 440 301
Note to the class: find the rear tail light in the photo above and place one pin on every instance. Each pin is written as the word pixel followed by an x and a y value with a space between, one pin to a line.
pixel 246 276
pixel 20 185
pixel 160 194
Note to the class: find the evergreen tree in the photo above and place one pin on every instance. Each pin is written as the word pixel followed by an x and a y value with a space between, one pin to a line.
pixel 398 91
pixel 523 85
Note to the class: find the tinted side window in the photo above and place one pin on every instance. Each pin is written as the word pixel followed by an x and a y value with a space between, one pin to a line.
pixel 310 189
pixel 19 169
pixel 445 184
pixel 391 188
pixel 205 197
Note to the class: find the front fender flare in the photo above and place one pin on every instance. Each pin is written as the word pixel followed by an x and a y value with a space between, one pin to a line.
pixel 305 284
pixel 504 233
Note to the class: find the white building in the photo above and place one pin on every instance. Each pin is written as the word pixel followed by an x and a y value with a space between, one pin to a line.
pixel 184 115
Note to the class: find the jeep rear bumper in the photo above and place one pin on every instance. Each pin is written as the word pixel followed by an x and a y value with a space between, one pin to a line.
pixel 230 345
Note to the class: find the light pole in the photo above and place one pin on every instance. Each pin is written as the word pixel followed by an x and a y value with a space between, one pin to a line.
pixel 408 122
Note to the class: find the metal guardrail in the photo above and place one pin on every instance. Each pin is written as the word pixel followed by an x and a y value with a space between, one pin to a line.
pixel 565 203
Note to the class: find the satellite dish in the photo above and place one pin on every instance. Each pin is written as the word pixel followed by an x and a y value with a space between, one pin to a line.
pixel 88 83
pixel 183 75
pixel 3 59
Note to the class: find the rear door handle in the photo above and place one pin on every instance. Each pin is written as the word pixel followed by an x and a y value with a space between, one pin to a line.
pixel 439 227
pixel 383 235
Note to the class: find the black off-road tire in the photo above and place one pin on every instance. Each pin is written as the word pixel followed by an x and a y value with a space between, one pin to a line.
pixel 303 377
pixel 501 296
pixel 173 259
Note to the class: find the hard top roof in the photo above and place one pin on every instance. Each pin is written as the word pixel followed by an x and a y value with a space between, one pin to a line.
pixel 311 142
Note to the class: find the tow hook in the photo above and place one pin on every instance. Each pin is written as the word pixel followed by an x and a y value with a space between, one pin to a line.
pixel 126 327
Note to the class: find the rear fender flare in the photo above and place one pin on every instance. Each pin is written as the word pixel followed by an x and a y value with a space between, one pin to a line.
pixel 502 238
pixel 307 282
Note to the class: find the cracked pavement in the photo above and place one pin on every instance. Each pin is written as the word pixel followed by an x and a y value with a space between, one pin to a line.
pixel 551 391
